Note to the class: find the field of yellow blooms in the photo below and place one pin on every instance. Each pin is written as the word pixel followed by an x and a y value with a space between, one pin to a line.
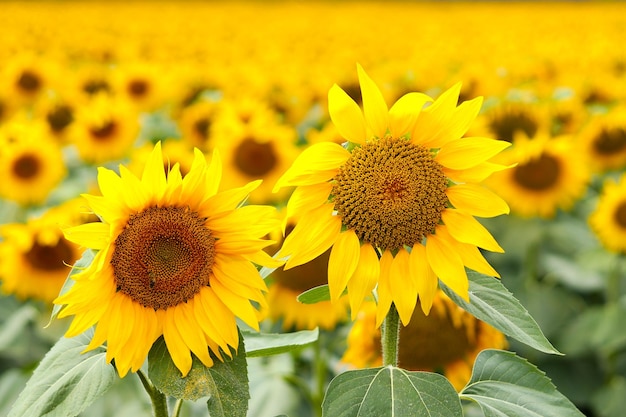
pixel 92 84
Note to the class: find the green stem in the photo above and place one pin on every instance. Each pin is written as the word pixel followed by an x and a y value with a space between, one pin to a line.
pixel 613 285
pixel 390 337
pixel 159 401
pixel 177 407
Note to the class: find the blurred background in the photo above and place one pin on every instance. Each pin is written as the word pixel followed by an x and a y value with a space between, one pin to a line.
pixel 94 83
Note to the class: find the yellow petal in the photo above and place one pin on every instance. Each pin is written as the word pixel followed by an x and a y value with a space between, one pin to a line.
pixel 122 316
pixel 263 259
pixel 107 210
pixel 191 332
pixel 346 115
pixel 307 197
pixel 470 255
pixel 465 228
pixel 110 184
pixel 135 194
pixel 344 258
pixel 404 113
pixel 317 163
pixel 213 173
pixel 476 200
pixel 464 116
pixel 221 317
pixel 383 291
pixel 315 232
pixel 447 264
pixel 259 221
pixel 240 306
pixel 194 183
pixel 206 324
pixel 427 282
pixel 240 270
pixel 466 153
pixel 91 235
pixel 176 346
pixel 374 106
pixel 364 278
pixel 227 200
pixel 476 173
pixel 402 284
pixel 432 127
pixel 153 177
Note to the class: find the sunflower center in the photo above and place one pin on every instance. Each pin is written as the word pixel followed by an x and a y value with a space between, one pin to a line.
pixel 104 132
pixel 138 88
pixel 95 85
pixel 201 127
pixel 26 166
pixel 620 215
pixel 49 257
pixel 391 193
pixel 163 257
pixel 60 118
pixel 430 343
pixel 254 158
pixel 539 174
pixel 29 81
pixel 610 141
pixel 506 125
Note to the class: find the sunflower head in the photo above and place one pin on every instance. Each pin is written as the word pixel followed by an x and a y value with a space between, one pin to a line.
pixel 608 220
pixel 175 257
pixel 396 203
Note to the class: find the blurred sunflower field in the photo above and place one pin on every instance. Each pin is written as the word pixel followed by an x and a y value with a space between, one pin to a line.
pixel 96 98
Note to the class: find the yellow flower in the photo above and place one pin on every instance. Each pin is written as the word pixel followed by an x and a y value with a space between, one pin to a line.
pixel 604 140
pixel 35 257
pixel 446 341
pixel 31 163
pixel 397 203
pixel 174 258
pixel 608 220
pixel 550 174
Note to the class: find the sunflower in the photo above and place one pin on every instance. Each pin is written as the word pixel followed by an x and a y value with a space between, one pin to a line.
pixel 447 341
pixel 506 121
pixel 105 129
pixel 608 220
pixel 174 152
pixel 31 163
pixel 174 258
pixel 195 121
pixel 604 140
pixel 549 175
pixel 34 256
pixel 396 203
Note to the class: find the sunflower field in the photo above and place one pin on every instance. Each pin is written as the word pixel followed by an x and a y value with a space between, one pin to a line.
pixel 312 209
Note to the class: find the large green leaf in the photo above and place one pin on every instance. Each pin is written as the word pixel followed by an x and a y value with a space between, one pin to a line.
pixel 505 385
pixel 315 295
pixel 388 392
pixel 265 344
pixel 66 381
pixel 225 383
pixel 492 303
pixel 84 261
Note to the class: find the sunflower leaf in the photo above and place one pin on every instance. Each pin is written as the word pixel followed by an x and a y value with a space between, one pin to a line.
pixel 390 391
pixel 492 303
pixel 84 261
pixel 266 344
pixel 66 381
pixel 225 383
pixel 315 295
pixel 503 384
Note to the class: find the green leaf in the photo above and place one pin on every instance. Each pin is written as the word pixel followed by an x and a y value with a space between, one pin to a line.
pixel 15 324
pixel 265 344
pixel 66 381
pixel 84 261
pixel 316 295
pixel 505 385
pixel 225 383
pixel 390 391
pixel 492 303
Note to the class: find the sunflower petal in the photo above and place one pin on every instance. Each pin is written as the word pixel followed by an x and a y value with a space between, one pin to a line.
pixel 176 346
pixel 344 258
pixel 374 106
pixel 384 288
pixel 431 128
pixel 404 113
pixel 364 278
pixel 465 228
pixel 94 235
pixel 307 197
pixel 476 200
pixel 153 176
pixel 402 285
pixel 346 115
pixel 447 264
pixel 427 282
pixel 476 173
pixel 191 333
pixel 213 173
pixel 466 153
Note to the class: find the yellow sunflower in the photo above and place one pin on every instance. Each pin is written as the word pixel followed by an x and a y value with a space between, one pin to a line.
pixel 604 140
pixel 35 256
pixel 549 175
pixel 608 220
pixel 31 163
pixel 397 202
pixel 447 341
pixel 174 258
pixel 174 152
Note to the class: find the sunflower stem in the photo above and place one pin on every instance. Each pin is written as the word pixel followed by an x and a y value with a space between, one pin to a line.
pixel 390 339
pixel 613 286
pixel 177 407
pixel 159 401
